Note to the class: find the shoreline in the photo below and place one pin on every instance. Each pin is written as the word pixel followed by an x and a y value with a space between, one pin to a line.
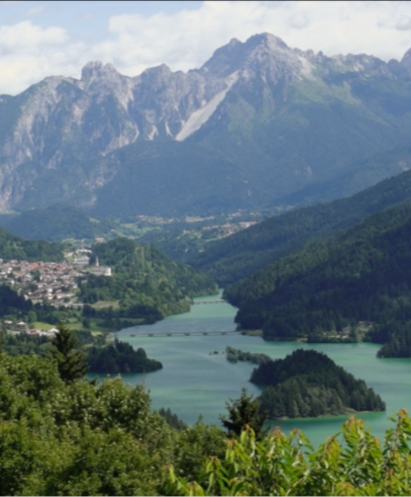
pixel 326 416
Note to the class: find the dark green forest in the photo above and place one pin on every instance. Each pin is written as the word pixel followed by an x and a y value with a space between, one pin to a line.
pixel 120 357
pixel 146 283
pixel 237 355
pixel 396 337
pixel 16 307
pixel 14 247
pixel 361 274
pixel 169 178
pixel 307 383
pixel 242 254
pixel 22 344
pixel 172 419
pixel 12 304
pixel 56 223
pixel 113 358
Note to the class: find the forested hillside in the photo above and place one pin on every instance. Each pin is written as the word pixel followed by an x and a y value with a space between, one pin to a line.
pixel 309 384
pixel 242 254
pixel 170 179
pixel 145 283
pixel 356 177
pixel 11 303
pixel 120 357
pixel 14 247
pixel 56 223
pixel 361 274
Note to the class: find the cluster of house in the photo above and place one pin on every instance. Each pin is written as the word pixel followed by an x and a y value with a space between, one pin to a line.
pixel 229 228
pixel 155 220
pixel 54 282
pixel 21 327
pixel 198 219
pixel 362 327
pixel 51 282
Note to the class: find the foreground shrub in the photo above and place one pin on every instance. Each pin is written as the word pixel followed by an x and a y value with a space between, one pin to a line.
pixel 288 465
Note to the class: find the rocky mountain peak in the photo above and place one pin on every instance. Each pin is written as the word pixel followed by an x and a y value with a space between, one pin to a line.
pixel 97 69
pixel 103 80
pixel 406 60
pixel 158 72
pixel 262 54
pixel 266 40
pixel 241 86
pixel 233 42
pixel 225 60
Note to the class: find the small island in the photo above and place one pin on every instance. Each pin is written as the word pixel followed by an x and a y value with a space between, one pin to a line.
pixel 120 357
pixel 237 355
pixel 307 383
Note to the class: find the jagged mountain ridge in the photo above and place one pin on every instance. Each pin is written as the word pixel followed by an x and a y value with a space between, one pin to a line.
pixel 281 118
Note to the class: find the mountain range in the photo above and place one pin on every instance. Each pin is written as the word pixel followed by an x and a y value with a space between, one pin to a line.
pixel 259 124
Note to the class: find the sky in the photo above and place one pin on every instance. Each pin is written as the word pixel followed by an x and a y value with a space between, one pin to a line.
pixel 40 39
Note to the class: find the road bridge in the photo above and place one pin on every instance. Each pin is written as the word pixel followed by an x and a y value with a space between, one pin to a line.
pixel 183 333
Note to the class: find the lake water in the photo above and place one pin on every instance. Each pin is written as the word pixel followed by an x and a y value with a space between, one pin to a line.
pixel 193 382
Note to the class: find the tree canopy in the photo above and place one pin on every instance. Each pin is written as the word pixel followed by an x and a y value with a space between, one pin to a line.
pixel 362 274
pixel 76 438
pixel 244 412
pixel 71 362
pixel 308 383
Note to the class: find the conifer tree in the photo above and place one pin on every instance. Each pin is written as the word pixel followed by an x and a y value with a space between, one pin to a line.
pixel 244 412
pixel 71 363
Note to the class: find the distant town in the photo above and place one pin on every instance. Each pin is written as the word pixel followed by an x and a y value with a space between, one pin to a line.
pixel 54 283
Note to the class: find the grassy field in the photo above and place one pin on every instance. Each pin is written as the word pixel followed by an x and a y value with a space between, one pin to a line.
pixel 101 304
pixel 95 325
pixel 42 326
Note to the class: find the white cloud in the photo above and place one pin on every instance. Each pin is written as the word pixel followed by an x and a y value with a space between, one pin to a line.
pixel 185 40
pixel 25 37
pixel 35 11
pixel 29 53
pixel 88 16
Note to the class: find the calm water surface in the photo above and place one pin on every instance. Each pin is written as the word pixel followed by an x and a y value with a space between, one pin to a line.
pixel 193 382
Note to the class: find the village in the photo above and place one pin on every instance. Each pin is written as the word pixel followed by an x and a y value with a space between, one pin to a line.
pixel 52 283
pixel 228 229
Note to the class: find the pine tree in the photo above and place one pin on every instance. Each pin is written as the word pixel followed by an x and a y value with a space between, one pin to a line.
pixel 71 363
pixel 244 411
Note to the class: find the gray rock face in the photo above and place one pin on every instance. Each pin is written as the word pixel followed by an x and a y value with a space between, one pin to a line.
pixel 63 124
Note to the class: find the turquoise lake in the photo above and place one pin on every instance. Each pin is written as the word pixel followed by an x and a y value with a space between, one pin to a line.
pixel 193 382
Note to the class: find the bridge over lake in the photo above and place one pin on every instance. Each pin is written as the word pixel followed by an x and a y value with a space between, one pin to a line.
pixel 183 334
